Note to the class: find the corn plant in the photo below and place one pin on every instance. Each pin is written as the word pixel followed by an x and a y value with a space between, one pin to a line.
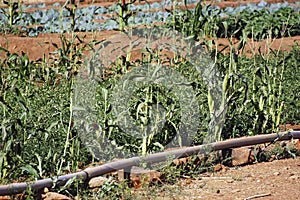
pixel 141 108
pixel 38 139
pixel 69 53
pixel 268 98
pixel 124 13
pixel 205 21
pixel 13 14
pixel 201 22
pixel 72 9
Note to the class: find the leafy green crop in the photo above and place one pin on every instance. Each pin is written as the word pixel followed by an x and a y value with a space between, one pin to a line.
pixel 35 108
pixel 35 120
pixel 270 97
pixel 263 24
pixel 204 21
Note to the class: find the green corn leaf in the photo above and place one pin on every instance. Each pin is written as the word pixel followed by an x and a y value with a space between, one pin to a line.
pixel 30 170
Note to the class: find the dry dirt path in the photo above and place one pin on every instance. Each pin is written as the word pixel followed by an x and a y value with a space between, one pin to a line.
pixel 277 180
pixel 36 47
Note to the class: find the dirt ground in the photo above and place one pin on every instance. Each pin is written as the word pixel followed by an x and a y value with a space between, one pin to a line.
pixel 275 180
pixel 37 47
pixel 279 179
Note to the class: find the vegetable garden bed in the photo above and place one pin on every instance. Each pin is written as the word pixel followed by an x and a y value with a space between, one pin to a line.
pixel 259 56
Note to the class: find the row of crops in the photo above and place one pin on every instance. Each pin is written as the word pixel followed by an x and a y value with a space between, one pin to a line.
pixel 38 138
pixel 93 18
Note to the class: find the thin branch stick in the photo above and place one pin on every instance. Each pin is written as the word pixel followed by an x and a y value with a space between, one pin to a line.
pixel 216 178
pixel 258 196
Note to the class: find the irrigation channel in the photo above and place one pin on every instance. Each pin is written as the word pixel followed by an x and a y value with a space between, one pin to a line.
pixel 89 173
